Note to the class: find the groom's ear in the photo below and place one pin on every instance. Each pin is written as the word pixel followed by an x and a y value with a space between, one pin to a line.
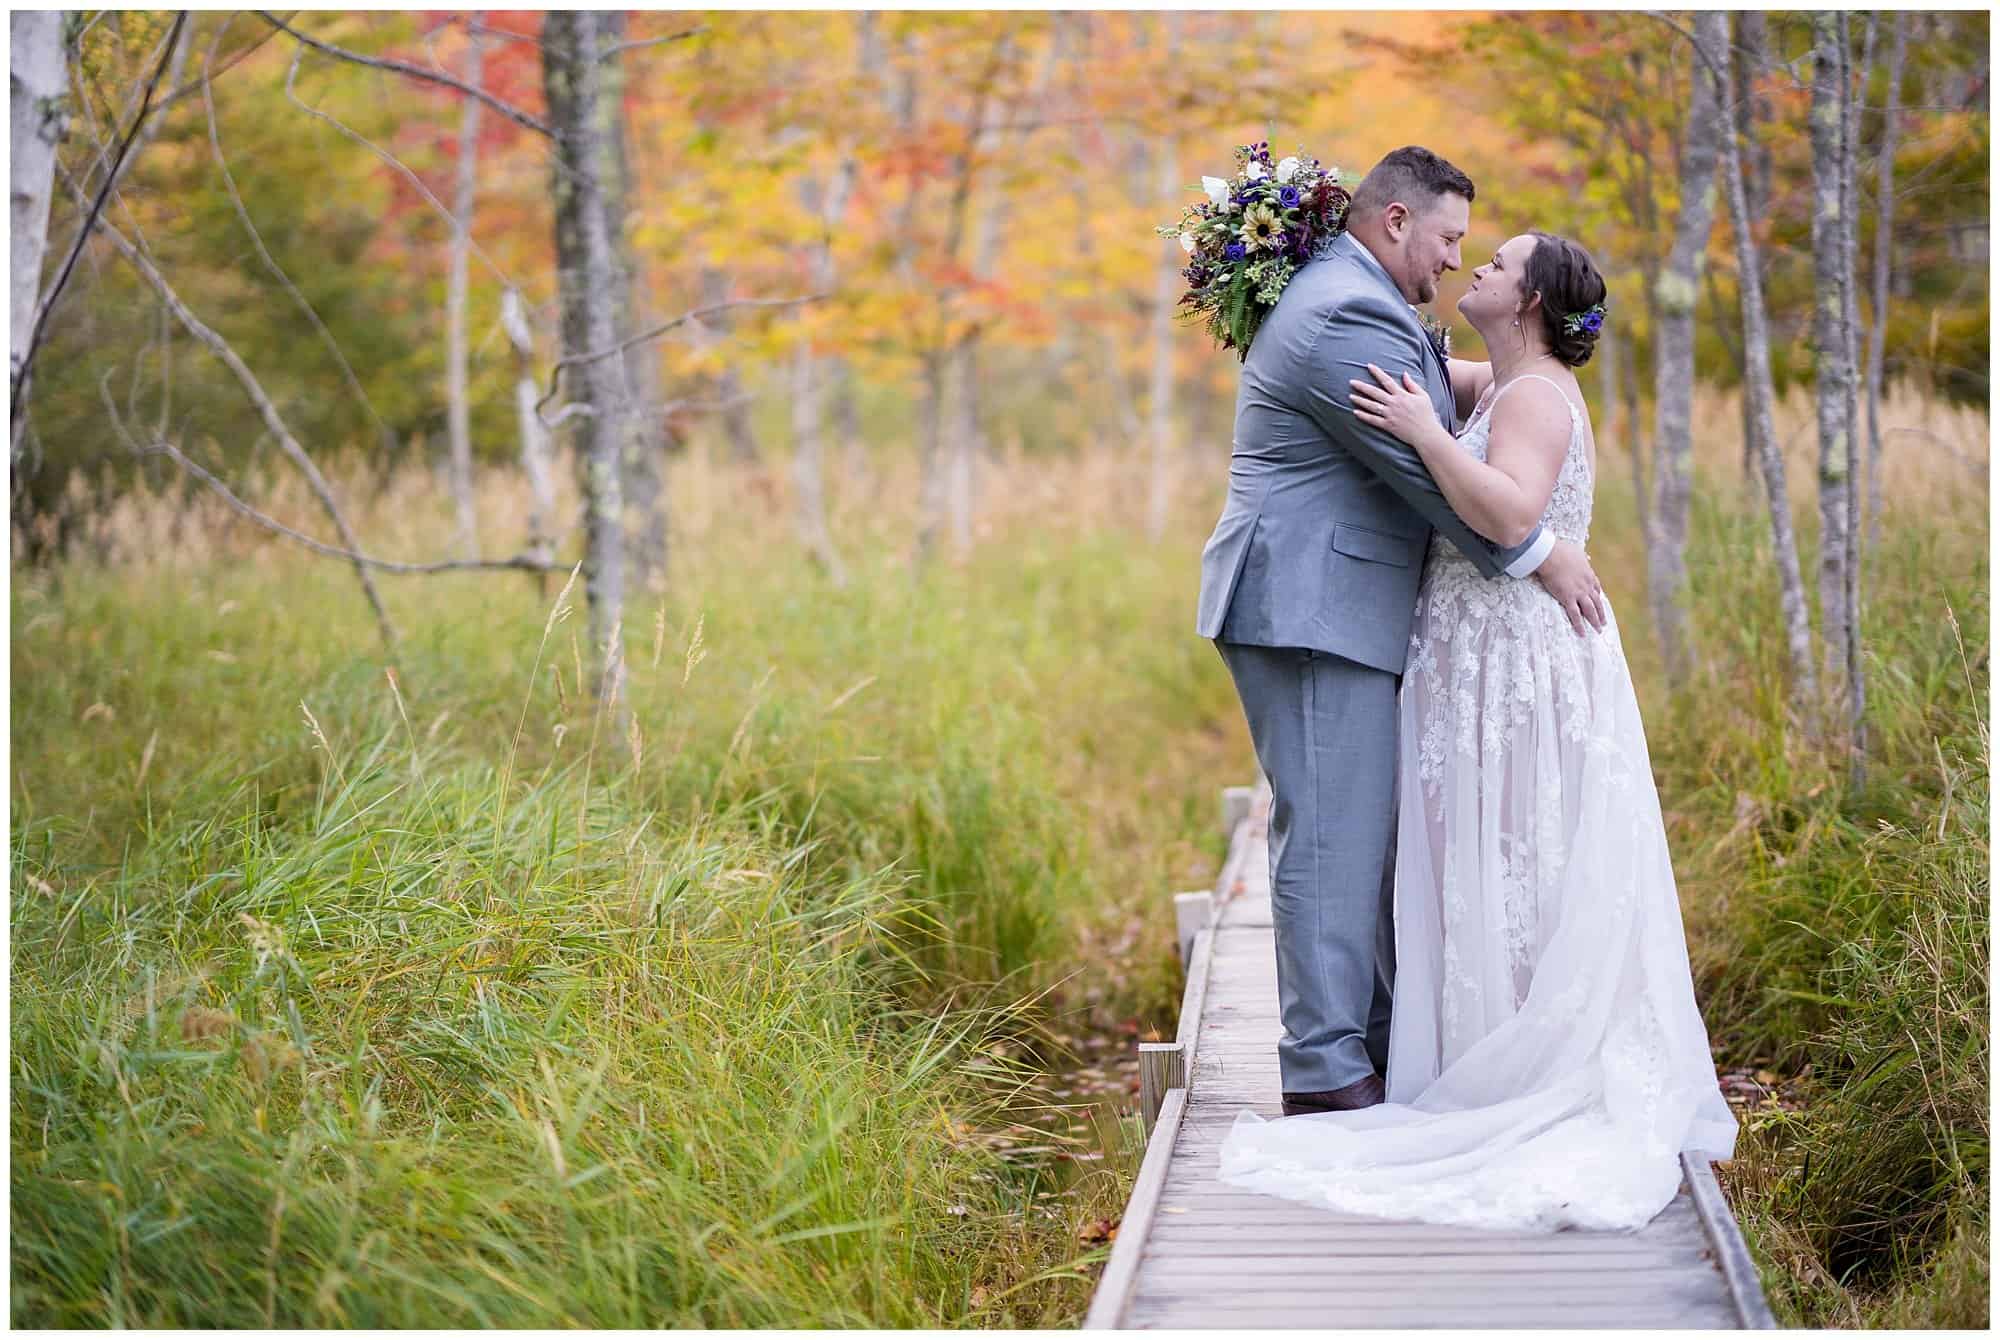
pixel 1395 219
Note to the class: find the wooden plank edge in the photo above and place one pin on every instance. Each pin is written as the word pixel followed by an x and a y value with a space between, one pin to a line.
pixel 1193 912
pixel 1194 995
pixel 1739 1272
pixel 1121 1271
pixel 1232 862
pixel 1236 804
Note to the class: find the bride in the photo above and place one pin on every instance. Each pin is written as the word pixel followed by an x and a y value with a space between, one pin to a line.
pixel 1547 1063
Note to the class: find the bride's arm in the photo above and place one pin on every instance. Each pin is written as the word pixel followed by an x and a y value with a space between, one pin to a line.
pixel 1469 381
pixel 1503 497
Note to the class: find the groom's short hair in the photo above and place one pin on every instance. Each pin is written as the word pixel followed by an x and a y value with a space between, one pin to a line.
pixel 1413 175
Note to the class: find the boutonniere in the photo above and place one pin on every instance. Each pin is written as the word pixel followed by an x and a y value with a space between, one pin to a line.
pixel 1437 332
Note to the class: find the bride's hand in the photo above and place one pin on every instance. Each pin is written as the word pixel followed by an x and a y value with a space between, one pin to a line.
pixel 1403 410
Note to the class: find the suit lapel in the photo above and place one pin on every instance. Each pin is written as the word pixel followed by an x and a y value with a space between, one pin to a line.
pixel 1444 374
pixel 1366 261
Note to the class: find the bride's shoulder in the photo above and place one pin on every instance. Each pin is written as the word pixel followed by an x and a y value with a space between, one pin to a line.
pixel 1539 391
pixel 1533 409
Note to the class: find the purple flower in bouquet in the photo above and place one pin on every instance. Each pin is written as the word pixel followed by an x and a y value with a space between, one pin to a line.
pixel 1235 251
pixel 1288 196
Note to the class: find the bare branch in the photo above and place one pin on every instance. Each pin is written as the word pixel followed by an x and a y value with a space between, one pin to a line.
pixel 519 562
pixel 162 52
pixel 476 29
pixel 237 58
pixel 96 207
pixel 622 47
pixel 582 360
pixel 506 109
pixel 266 410
pixel 160 446
pixel 270 262
pixel 291 76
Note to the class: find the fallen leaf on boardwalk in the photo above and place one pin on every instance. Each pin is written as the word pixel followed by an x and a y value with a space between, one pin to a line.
pixel 1173 1209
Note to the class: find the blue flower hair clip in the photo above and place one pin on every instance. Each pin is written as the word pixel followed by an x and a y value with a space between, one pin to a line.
pixel 1590 319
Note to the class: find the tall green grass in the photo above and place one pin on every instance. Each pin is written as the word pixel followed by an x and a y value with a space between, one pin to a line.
pixel 1841 935
pixel 443 1003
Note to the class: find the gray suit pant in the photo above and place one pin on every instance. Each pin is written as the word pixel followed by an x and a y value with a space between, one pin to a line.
pixel 1325 732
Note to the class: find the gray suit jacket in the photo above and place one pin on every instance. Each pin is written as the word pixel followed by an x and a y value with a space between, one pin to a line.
pixel 1321 542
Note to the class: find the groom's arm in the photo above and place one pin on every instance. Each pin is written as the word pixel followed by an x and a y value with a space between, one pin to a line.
pixel 1353 338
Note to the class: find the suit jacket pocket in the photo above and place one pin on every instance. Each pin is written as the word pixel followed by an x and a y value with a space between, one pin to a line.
pixel 1374 546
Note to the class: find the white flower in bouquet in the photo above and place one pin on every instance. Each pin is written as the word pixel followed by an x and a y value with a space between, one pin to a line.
pixel 1288 168
pixel 1254 170
pixel 1217 188
pixel 1187 243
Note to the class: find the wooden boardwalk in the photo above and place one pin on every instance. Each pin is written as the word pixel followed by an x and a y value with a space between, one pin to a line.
pixel 1194 1253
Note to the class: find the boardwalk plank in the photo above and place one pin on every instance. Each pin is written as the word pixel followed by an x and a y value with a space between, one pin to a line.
pixel 1199 1254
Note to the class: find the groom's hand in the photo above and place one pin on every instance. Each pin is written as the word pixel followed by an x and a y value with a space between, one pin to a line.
pixel 1566 574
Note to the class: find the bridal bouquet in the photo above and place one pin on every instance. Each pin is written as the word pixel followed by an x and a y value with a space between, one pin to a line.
pixel 1247 240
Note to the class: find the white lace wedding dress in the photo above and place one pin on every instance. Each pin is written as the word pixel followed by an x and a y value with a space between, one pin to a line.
pixel 1547 1063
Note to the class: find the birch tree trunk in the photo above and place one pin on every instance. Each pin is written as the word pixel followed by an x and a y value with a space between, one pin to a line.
pixel 1678 291
pixel 1635 433
pixel 642 462
pixel 1852 87
pixel 458 409
pixel 38 113
pixel 581 115
pixel 1885 216
pixel 968 441
pixel 535 461
pixel 1752 110
pixel 812 375
pixel 808 418
pixel 856 475
pixel 1759 397
pixel 930 453
pixel 1833 366
pixel 1166 284
pixel 1607 359
pixel 951 421
pixel 828 202
pixel 964 442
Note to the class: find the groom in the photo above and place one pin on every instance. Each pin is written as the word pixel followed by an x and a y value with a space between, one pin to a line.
pixel 1308 586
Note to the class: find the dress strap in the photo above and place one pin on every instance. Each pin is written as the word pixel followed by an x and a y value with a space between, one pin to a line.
pixel 1538 377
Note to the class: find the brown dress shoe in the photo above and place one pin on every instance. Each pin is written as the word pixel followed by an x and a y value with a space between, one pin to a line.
pixel 1364 1092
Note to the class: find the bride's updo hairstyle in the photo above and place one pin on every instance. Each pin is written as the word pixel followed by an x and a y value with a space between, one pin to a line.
pixel 1563 273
